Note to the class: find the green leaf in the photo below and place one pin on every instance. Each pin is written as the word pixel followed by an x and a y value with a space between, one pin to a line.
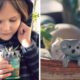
pixel 46 35
pixel 35 15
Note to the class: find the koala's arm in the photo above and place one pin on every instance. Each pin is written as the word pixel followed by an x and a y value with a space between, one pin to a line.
pixel 79 61
pixel 65 61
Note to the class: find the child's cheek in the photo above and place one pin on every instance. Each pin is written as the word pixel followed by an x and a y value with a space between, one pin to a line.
pixel 17 25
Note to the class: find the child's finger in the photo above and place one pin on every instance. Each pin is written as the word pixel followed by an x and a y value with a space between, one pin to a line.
pixel 3 62
pixel 22 31
pixel 5 66
pixel 6 70
pixel 22 28
pixel 5 75
pixel 23 25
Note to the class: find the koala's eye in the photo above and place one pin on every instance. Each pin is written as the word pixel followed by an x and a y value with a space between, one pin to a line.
pixel 77 47
pixel 69 46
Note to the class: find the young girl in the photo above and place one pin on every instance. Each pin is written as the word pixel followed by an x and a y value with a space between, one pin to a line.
pixel 15 30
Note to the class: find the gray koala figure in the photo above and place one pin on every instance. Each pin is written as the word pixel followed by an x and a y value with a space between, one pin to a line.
pixel 71 49
pixel 9 53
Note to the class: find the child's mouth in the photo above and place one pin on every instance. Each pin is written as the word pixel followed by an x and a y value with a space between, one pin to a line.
pixel 5 34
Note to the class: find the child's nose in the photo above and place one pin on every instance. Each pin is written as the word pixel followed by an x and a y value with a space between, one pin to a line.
pixel 6 27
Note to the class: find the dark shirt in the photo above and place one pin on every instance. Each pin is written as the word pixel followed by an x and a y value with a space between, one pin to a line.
pixel 29 62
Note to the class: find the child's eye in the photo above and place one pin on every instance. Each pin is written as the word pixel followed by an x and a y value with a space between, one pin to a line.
pixel 77 47
pixel 0 21
pixel 69 46
pixel 12 20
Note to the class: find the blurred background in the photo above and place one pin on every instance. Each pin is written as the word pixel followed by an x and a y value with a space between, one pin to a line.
pixel 35 19
pixel 58 12
pixel 57 15
pixel 62 10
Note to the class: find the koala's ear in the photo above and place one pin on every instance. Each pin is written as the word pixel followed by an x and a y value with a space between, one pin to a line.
pixel 64 44
pixel 79 42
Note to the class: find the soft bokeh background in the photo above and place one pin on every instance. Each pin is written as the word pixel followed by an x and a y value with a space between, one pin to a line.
pixel 36 18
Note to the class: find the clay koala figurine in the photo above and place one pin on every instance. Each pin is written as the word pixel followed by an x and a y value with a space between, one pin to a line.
pixel 61 33
pixel 71 49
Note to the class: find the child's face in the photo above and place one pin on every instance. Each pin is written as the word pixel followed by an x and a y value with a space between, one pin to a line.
pixel 10 21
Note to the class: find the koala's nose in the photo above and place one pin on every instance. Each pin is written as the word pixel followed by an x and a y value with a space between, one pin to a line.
pixel 73 51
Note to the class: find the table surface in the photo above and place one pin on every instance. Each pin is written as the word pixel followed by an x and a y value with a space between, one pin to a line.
pixel 53 70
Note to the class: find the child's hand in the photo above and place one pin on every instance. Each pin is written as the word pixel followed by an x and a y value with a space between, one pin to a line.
pixel 24 35
pixel 5 69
